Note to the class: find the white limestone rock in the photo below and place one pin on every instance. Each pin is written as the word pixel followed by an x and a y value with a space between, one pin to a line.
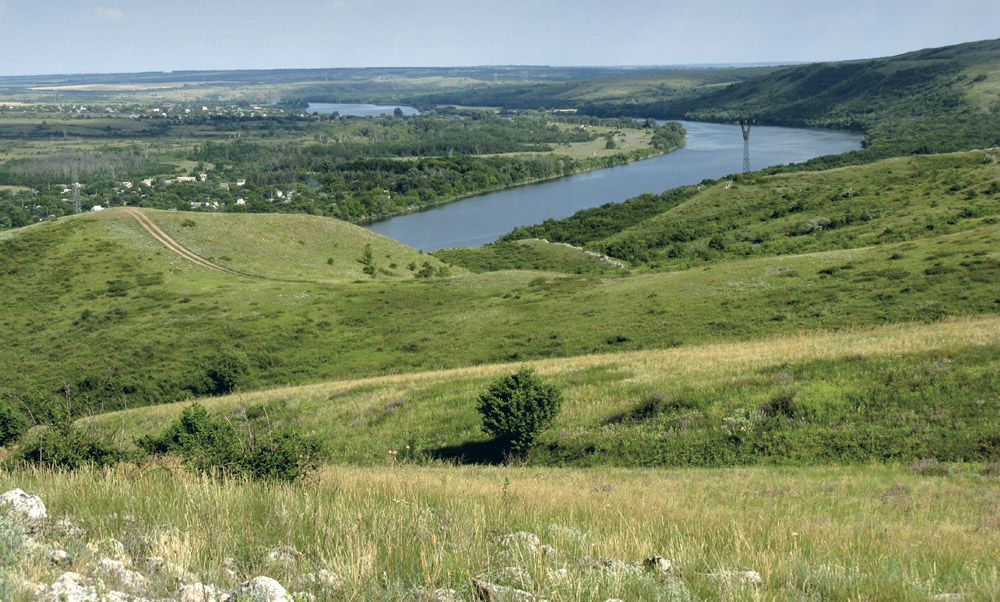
pixel 259 589
pixel 491 592
pixel 116 571
pixel 158 565
pixel 283 555
pixel 322 579
pixel 521 537
pixel 657 564
pixel 29 508
pixel 199 592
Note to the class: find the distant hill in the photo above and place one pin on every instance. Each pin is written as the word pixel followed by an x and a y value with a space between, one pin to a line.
pixel 934 100
pixel 104 310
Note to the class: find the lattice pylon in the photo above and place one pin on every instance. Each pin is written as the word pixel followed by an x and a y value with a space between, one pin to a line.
pixel 745 128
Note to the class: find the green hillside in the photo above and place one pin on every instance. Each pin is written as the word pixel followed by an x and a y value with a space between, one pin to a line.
pixel 933 100
pixel 896 393
pixel 99 312
pixel 294 247
pixel 529 254
pixel 790 213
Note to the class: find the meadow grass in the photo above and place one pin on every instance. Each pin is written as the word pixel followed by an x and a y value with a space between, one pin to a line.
pixel 897 393
pixel 159 321
pixel 527 254
pixel 319 250
pixel 895 200
pixel 626 140
pixel 820 533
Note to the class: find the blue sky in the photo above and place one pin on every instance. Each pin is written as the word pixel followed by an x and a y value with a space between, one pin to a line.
pixel 84 36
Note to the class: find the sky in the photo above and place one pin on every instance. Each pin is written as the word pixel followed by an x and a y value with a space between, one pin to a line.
pixel 120 36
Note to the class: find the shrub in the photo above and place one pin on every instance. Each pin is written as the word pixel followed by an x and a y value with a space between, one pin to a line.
pixel 517 407
pixel 13 423
pixel 64 445
pixel 202 439
pixel 227 371
pixel 208 442
pixel 283 456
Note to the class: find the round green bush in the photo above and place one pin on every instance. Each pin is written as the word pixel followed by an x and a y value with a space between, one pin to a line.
pixel 517 407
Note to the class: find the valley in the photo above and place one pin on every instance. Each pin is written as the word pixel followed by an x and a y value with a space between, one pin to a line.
pixel 775 385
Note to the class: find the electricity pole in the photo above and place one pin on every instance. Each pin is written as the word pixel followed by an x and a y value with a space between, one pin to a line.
pixel 745 128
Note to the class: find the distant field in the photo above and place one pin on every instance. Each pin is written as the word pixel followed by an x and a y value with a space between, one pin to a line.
pixel 123 87
pixel 626 140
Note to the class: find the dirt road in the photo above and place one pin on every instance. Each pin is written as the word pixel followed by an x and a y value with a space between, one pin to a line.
pixel 176 247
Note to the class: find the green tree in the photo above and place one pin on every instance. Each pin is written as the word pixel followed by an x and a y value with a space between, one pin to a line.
pixel 13 422
pixel 517 407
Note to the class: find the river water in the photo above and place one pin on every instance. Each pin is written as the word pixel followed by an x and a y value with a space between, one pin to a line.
pixel 712 151
pixel 357 110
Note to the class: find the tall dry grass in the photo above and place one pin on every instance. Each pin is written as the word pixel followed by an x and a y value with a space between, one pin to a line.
pixel 862 533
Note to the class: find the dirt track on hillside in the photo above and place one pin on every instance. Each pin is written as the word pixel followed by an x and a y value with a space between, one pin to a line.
pixel 176 247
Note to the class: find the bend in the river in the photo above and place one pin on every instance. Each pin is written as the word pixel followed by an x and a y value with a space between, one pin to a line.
pixel 712 150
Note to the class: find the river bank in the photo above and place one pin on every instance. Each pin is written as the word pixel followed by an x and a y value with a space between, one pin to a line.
pixel 614 160
pixel 710 151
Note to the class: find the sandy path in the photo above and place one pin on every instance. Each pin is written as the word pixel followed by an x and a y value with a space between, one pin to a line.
pixel 176 247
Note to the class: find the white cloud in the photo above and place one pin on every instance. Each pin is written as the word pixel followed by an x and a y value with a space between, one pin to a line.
pixel 109 14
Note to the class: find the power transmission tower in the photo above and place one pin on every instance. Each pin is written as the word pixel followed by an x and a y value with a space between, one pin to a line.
pixel 745 128
pixel 76 194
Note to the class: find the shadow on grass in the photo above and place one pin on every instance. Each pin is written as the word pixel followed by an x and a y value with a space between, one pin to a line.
pixel 489 452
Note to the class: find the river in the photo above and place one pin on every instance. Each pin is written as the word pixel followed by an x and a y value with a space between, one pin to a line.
pixel 357 110
pixel 712 150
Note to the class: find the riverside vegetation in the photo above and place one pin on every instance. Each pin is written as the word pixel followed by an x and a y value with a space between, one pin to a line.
pixel 356 169
pixel 778 385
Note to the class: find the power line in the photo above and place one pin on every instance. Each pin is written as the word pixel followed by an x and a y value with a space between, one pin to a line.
pixel 745 128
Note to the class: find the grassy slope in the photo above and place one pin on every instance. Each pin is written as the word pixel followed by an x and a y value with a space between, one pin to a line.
pixel 290 247
pixel 644 88
pixel 893 393
pixel 153 333
pixel 929 100
pixel 932 100
pixel 527 254
pixel 893 200
pixel 874 533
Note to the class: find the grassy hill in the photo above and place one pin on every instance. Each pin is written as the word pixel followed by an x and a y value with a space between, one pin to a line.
pixel 529 254
pixel 893 393
pixel 936 100
pixel 96 311
pixel 893 200
pixel 932 100
pixel 291 247
pixel 605 89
